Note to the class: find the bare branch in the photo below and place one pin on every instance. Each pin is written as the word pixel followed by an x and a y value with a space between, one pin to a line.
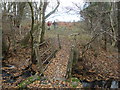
pixel 58 3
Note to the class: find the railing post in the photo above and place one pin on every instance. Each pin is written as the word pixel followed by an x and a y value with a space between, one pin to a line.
pixel 70 63
pixel 76 53
pixel 53 48
pixel 59 41
pixel 73 58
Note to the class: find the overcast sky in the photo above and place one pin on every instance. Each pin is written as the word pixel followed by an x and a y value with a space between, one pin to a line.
pixel 61 14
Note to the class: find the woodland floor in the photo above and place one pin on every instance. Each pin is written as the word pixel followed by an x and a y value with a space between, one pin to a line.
pixel 56 70
pixel 91 68
pixel 58 66
pixel 103 66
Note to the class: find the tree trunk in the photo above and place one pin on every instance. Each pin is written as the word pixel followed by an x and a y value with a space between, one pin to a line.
pixel 27 37
pixel 104 29
pixel 43 22
pixel 5 47
pixel 45 17
pixel 20 8
pixel 118 5
pixel 118 16
pixel 31 34
pixel 105 41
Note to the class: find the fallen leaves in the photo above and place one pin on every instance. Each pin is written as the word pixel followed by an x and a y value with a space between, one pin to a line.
pixel 56 70
pixel 53 84
pixel 58 66
pixel 104 66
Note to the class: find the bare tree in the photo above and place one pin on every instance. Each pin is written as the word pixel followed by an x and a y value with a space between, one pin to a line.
pixel 45 17
pixel 39 29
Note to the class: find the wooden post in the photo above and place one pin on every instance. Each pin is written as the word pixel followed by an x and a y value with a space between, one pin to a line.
pixel 73 59
pixel 75 50
pixel 12 31
pixel 70 62
pixel 59 41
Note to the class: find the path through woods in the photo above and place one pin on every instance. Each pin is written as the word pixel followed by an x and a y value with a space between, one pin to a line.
pixel 56 71
pixel 58 66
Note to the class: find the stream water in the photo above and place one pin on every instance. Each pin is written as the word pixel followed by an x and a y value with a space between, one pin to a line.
pixel 102 84
pixel 110 83
pixel 8 77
